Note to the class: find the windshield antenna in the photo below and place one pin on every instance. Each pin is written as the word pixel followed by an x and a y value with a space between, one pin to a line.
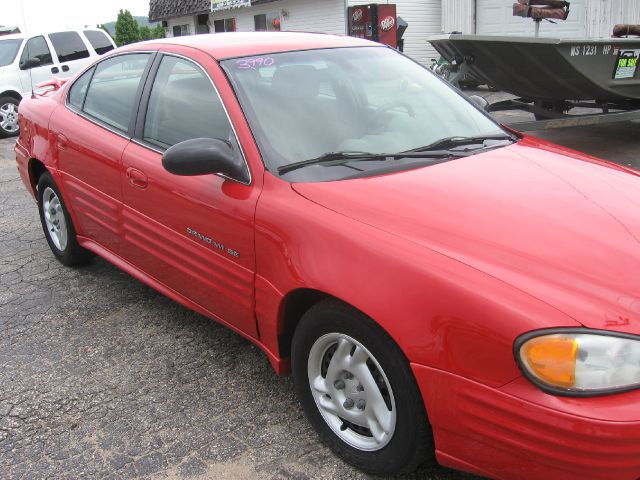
pixel 26 46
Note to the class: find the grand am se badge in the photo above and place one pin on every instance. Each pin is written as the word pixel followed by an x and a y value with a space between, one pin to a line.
pixel 213 243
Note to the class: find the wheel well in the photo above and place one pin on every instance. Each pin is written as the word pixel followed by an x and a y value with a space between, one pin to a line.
pixel 36 169
pixel 11 93
pixel 296 305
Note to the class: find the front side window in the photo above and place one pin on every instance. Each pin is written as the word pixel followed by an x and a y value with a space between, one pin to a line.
pixel 303 105
pixel 183 105
pixel 68 46
pixel 113 89
pixel 36 47
pixel 8 50
pixel 99 41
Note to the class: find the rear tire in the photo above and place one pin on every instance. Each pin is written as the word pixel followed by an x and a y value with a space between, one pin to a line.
pixel 9 117
pixel 358 391
pixel 57 224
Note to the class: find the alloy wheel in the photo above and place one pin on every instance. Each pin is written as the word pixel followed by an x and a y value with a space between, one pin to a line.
pixel 352 392
pixel 9 117
pixel 54 219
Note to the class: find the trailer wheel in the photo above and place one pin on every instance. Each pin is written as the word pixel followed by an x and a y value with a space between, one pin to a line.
pixel 554 107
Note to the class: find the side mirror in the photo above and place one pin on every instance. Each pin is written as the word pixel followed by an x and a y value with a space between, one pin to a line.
pixel 204 156
pixel 480 102
pixel 30 63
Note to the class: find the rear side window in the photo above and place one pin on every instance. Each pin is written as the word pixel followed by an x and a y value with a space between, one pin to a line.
pixel 183 105
pixel 113 88
pixel 36 47
pixel 79 89
pixel 99 41
pixel 68 46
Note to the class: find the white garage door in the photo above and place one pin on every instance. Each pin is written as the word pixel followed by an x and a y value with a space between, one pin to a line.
pixel 495 17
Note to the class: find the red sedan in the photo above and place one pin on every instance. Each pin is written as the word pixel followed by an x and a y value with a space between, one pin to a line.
pixel 432 279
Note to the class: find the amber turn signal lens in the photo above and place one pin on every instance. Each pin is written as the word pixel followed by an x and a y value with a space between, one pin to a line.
pixel 552 359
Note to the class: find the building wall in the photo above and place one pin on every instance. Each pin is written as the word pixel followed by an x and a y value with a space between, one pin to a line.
pixel 187 20
pixel 495 17
pixel 594 18
pixel 604 14
pixel 459 16
pixel 328 16
pixel 325 16
pixel 424 19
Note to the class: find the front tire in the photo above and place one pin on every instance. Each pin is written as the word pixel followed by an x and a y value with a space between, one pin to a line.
pixel 57 225
pixel 9 117
pixel 358 391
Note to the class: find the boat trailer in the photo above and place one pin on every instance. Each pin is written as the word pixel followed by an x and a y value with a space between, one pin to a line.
pixel 550 76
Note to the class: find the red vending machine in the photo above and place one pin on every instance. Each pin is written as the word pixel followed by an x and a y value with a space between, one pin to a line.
pixel 374 22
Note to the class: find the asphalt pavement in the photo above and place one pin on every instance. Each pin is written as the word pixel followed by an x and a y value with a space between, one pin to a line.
pixel 101 377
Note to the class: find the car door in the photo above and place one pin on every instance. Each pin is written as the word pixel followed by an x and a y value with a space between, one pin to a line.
pixel 36 48
pixel 90 133
pixel 71 51
pixel 193 234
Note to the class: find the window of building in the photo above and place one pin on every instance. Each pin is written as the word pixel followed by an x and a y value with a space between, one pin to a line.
pixel 226 25
pixel 267 22
pixel 183 105
pixel 36 47
pixel 181 30
pixel 99 41
pixel 111 94
pixel 69 46
pixel 202 23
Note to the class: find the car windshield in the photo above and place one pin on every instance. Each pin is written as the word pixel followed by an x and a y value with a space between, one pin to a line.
pixel 8 50
pixel 329 109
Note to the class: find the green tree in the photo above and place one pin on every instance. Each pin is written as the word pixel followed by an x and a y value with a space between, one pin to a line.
pixel 145 33
pixel 103 27
pixel 158 31
pixel 127 29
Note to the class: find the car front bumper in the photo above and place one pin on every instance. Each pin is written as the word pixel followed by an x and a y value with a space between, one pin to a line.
pixel 520 432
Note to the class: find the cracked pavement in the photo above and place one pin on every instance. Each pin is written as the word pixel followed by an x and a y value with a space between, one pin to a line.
pixel 102 377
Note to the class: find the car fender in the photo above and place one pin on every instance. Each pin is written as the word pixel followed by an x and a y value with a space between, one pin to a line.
pixel 441 312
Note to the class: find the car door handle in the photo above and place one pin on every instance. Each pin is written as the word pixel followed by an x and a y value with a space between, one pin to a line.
pixel 62 141
pixel 55 70
pixel 65 68
pixel 137 178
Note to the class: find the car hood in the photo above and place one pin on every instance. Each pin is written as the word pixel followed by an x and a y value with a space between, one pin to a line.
pixel 556 224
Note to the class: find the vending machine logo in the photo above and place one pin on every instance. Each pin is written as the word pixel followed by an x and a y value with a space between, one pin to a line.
pixel 357 15
pixel 387 24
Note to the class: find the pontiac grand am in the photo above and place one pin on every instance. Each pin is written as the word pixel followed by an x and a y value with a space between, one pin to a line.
pixel 441 287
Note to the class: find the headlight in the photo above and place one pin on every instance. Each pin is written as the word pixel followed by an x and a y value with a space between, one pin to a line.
pixel 580 361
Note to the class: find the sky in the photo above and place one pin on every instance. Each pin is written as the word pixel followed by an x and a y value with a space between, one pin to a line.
pixel 48 15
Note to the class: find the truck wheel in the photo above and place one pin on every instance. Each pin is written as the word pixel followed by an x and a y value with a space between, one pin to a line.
pixel 57 225
pixel 358 391
pixel 9 117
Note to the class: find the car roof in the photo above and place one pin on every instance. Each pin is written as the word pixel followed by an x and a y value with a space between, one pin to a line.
pixel 23 35
pixel 242 44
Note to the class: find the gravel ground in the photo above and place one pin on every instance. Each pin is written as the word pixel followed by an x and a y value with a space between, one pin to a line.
pixel 101 377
